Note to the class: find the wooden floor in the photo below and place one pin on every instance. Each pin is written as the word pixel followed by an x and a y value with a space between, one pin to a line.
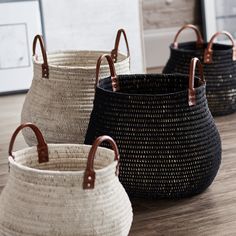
pixel 211 213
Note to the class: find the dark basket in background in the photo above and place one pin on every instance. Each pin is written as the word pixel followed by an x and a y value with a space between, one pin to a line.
pixel 169 144
pixel 219 68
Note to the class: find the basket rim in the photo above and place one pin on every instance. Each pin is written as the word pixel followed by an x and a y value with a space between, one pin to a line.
pixel 98 87
pixel 78 173
pixel 57 52
pixel 200 49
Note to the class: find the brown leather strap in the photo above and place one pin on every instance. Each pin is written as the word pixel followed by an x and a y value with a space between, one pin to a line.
pixel 208 51
pixel 191 89
pixel 114 52
pixel 89 174
pixel 45 69
pixel 115 82
pixel 42 147
pixel 199 42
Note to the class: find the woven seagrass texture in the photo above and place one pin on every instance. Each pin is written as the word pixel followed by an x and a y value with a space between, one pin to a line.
pixel 48 199
pixel 168 149
pixel 61 104
pixel 220 75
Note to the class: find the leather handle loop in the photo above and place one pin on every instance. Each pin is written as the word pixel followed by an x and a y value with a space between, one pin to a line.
pixel 199 42
pixel 42 147
pixel 115 84
pixel 45 69
pixel 89 174
pixel 114 52
pixel 209 52
pixel 191 90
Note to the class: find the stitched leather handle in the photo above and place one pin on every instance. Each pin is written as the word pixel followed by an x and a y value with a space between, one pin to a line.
pixel 114 52
pixel 89 174
pixel 191 90
pixel 115 83
pixel 42 147
pixel 199 42
pixel 209 52
pixel 45 69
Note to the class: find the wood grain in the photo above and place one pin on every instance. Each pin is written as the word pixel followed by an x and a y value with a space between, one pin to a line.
pixel 170 13
pixel 210 213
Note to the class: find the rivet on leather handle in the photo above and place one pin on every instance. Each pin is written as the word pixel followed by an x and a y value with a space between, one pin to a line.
pixel 209 52
pixel 45 69
pixel 199 41
pixel 89 174
pixel 114 52
pixel 191 89
pixel 42 147
pixel 114 79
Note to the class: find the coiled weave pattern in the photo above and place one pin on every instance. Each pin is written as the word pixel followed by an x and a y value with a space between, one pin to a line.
pixel 55 197
pixel 220 73
pixel 168 149
pixel 61 103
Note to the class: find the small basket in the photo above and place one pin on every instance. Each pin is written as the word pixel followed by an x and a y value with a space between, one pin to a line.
pixel 64 189
pixel 219 62
pixel 60 99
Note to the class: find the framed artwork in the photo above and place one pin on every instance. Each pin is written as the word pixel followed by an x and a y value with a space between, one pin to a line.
pixel 19 22
pixel 85 25
pixel 219 15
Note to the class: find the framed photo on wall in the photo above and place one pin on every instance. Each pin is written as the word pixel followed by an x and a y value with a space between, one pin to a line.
pixel 219 15
pixel 20 21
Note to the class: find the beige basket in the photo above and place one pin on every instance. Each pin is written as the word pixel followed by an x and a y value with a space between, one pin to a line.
pixel 64 189
pixel 60 99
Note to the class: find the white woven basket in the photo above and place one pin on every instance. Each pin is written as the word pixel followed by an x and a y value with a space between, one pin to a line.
pixel 60 98
pixel 61 190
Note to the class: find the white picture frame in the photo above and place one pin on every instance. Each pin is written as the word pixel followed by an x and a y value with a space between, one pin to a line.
pixel 209 18
pixel 20 21
pixel 218 15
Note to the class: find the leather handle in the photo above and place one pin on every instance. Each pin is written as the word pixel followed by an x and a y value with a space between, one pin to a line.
pixel 89 174
pixel 42 147
pixel 114 52
pixel 209 52
pixel 115 83
pixel 45 69
pixel 191 90
pixel 199 42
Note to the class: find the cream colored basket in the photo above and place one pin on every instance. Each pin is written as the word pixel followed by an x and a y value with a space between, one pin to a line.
pixel 64 190
pixel 61 95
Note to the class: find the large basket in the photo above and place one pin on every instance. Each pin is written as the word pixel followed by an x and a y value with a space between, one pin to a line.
pixel 169 144
pixel 64 189
pixel 219 68
pixel 60 99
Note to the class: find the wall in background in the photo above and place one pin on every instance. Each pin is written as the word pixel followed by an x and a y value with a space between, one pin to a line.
pixel 161 19
pixel 92 25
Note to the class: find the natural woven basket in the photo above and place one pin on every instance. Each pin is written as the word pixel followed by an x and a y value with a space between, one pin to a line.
pixel 219 62
pixel 169 144
pixel 64 189
pixel 60 99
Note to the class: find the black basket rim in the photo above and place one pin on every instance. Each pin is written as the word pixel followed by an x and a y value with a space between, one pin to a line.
pixel 216 51
pixel 202 86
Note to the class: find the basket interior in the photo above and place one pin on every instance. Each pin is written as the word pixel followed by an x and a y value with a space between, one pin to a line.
pixel 77 59
pixel 192 46
pixel 151 83
pixel 67 158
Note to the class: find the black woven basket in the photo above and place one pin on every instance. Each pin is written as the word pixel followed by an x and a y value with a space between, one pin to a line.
pixel 169 145
pixel 219 63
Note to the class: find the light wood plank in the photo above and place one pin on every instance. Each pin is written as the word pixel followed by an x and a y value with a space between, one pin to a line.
pixel 170 13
